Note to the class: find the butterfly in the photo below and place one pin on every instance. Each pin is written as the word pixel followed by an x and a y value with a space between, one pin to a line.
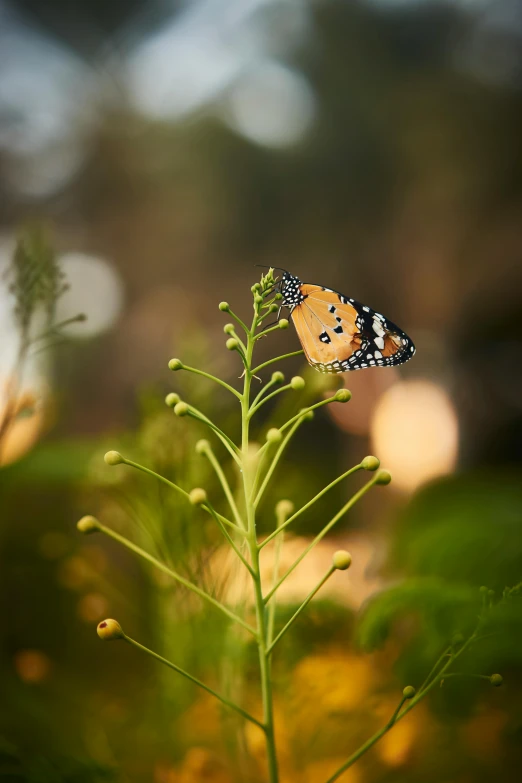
pixel 339 334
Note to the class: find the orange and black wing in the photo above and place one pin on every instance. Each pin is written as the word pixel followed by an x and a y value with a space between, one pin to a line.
pixel 339 334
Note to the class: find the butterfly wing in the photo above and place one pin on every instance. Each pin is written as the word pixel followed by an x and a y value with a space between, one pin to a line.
pixel 339 334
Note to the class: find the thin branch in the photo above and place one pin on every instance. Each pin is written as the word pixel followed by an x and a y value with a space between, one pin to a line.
pixel 347 506
pixel 301 609
pixel 226 441
pixel 213 378
pixel 177 577
pixel 277 359
pixel 230 540
pixel 226 487
pixel 276 459
pixel 195 680
pixel 257 405
pixel 310 503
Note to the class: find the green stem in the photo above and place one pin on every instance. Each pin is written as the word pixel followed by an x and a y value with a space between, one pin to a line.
pixel 398 715
pixel 277 457
pixel 213 378
pixel 277 359
pixel 301 609
pixel 195 680
pixel 275 577
pixel 177 577
pixel 227 442
pixel 230 539
pixel 262 629
pixel 347 506
pixel 263 391
pixel 226 487
pixel 238 320
pixel 310 503
pixel 304 411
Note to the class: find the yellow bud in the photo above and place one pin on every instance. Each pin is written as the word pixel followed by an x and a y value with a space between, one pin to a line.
pixel 181 409
pixel 496 680
pixel 108 630
pixel 232 344
pixel 88 525
pixel 277 377
pixel 228 328
pixel 297 383
pixel 274 435
pixel 224 307
pixel 343 395
pixel 383 477
pixel 370 463
pixel 175 364
pixel 342 560
pixel 113 458
pixel 197 496
pixel 172 399
pixel 202 446
pixel 409 692
pixel 283 323
pixel 278 297
pixel 284 508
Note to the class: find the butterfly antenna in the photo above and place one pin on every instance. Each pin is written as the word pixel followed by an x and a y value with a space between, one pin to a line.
pixel 279 268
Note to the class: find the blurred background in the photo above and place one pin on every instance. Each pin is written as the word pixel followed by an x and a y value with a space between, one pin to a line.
pixel 151 153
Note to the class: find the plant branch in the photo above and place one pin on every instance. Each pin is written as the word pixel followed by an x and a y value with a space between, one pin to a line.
pixel 275 460
pixel 195 680
pixel 256 405
pixel 177 577
pixel 226 487
pixel 213 378
pixel 277 359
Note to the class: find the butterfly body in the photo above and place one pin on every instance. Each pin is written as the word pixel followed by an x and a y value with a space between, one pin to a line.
pixel 339 334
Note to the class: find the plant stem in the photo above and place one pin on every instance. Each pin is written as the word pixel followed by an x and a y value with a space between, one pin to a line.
pixel 262 626
pixel 277 359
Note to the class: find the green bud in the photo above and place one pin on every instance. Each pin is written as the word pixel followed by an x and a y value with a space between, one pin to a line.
pixel 88 525
pixel 307 415
pixel 409 692
pixel 278 297
pixel 370 463
pixel 181 409
pixel 283 323
pixel 273 308
pixel 229 329
pixel 113 458
pixel 274 435
pixel 256 287
pixel 277 377
pixel 342 395
pixel 175 364
pixel 108 630
pixel 202 446
pixel 232 344
pixel 383 478
pixel 297 383
pixel 172 399
pixel 284 508
pixel 342 560
pixel 496 680
pixel 197 496
pixel 483 590
pixel 224 307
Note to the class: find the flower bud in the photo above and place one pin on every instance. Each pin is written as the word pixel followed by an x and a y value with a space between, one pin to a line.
pixel 370 463
pixel 256 287
pixel 342 560
pixel 274 435
pixel 108 630
pixel 197 496
pixel 307 415
pixel 172 399
pixel 224 307
pixel 181 409
pixel 283 323
pixel 273 308
pixel 409 692
pixel 175 364
pixel 202 446
pixel 496 680
pixel 277 377
pixel 383 478
pixel 232 344
pixel 229 328
pixel 258 299
pixel 342 395
pixel 278 297
pixel 88 525
pixel 284 508
pixel 113 458
pixel 297 383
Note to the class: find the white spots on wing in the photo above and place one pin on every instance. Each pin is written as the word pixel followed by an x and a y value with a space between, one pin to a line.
pixel 378 354
pixel 367 309
pixel 377 328
pixel 379 342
